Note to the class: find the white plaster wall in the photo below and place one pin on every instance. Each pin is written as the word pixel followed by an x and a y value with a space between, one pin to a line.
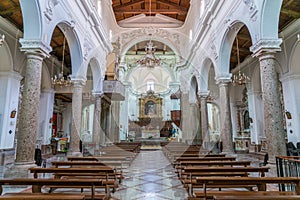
pixel 9 98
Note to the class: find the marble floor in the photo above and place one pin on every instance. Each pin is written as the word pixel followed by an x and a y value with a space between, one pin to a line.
pixel 150 177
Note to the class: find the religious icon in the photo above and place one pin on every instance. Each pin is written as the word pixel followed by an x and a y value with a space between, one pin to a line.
pixel 150 108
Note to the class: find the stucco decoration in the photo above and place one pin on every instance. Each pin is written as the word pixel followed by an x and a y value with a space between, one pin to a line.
pixel 252 9
pixel 127 37
pixel 87 47
pixel 49 9
pixel 268 45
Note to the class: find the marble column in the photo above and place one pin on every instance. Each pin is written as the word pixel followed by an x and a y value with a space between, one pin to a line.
pixel 76 116
pixel 185 117
pixel 204 119
pixel 97 118
pixel 225 115
pixel 273 117
pixel 265 50
pixel 28 119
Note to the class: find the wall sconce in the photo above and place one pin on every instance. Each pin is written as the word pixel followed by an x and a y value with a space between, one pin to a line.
pixel 2 40
pixel 298 37
pixel 288 115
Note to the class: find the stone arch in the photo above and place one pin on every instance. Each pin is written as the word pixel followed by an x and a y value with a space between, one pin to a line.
pixel 226 46
pixel 97 74
pixel 270 19
pixel 193 90
pixel 204 73
pixel 6 58
pixel 32 20
pixel 74 46
pixel 46 78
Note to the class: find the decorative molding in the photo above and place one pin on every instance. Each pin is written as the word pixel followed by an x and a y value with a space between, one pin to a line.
pixel 133 35
pixel 252 9
pixel 37 46
pixel 266 45
pixel 49 9
pixel 87 47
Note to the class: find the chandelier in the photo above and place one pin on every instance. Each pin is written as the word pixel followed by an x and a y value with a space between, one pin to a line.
pixel 240 78
pixel 61 81
pixel 2 40
pixel 149 59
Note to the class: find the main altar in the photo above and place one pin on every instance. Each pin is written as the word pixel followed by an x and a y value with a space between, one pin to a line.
pixel 150 124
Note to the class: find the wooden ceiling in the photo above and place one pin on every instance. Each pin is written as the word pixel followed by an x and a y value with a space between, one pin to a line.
pixel 177 9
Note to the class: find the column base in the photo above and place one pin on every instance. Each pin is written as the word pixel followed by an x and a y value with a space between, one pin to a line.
pixel 19 170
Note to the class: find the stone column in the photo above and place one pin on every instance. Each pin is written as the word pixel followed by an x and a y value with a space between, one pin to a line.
pixel 225 115
pixel 185 117
pixel 76 115
pixel 273 116
pixel 28 119
pixel 204 119
pixel 97 118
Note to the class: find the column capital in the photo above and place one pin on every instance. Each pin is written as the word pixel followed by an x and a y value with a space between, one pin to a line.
pixel 35 47
pixel 203 94
pixel 78 81
pixel 97 93
pixel 266 46
pixel 224 79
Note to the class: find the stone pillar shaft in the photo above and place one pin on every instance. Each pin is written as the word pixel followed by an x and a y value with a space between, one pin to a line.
pixel 272 107
pixel 204 121
pixel 28 119
pixel 225 117
pixel 97 119
pixel 76 116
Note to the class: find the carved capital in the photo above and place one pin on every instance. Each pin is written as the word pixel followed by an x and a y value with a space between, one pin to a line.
pixel 36 47
pixel 266 46
pixel 223 79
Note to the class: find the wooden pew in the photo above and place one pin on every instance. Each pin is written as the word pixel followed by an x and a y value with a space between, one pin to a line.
pixel 117 165
pixel 37 184
pixel 264 197
pixel 107 174
pixel 180 159
pixel 181 166
pixel 239 182
pixel 43 196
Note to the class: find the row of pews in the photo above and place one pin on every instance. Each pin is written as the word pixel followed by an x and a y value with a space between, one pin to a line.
pixel 221 177
pixel 93 177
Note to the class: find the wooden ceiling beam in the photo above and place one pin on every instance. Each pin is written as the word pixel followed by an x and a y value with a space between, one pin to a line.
pixel 128 4
pixel 9 11
pixel 161 11
pixel 171 4
pixel 291 13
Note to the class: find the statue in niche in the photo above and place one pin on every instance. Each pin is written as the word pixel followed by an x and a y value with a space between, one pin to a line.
pixel 150 108
pixel 246 120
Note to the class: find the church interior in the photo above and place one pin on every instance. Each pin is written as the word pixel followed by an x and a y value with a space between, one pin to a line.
pixel 149 99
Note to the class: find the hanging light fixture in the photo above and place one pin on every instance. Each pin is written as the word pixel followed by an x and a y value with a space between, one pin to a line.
pixel 241 78
pixel 61 81
pixel 149 60
pixel 2 38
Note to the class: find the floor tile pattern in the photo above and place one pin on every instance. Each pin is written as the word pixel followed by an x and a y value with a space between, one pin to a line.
pixel 150 177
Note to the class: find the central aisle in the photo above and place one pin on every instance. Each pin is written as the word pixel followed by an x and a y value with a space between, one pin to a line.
pixel 150 176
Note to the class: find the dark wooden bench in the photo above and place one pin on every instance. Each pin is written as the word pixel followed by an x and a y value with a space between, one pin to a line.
pixel 240 182
pixel 107 174
pixel 264 197
pixel 43 196
pixel 219 163
pixel 37 184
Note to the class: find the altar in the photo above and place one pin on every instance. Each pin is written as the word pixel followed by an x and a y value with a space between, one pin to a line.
pixel 150 133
